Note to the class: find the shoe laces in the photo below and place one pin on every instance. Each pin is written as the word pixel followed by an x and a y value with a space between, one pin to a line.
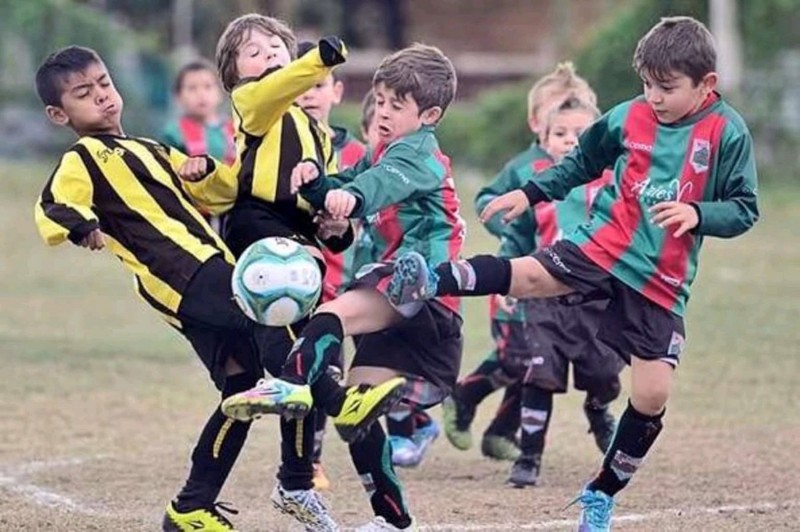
pixel 309 500
pixel 215 508
pixel 596 508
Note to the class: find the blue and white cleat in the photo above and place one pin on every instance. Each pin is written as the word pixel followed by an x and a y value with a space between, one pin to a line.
pixel 596 511
pixel 424 436
pixel 412 281
pixel 405 452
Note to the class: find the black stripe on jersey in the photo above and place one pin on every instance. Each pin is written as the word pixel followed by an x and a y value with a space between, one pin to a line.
pixel 165 259
pixel 247 171
pixel 162 194
pixel 291 153
pixel 59 213
pixel 316 133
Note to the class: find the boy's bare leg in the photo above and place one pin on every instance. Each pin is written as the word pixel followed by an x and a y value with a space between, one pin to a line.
pixel 530 279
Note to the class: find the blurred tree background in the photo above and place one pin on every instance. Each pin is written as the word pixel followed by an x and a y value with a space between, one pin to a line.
pixel 144 41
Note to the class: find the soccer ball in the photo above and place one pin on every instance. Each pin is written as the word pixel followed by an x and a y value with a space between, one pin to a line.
pixel 276 282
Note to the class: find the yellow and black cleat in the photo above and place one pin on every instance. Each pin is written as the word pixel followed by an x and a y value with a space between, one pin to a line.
pixel 202 519
pixel 364 404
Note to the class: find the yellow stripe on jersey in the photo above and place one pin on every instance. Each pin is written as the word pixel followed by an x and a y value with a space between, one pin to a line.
pixel 267 159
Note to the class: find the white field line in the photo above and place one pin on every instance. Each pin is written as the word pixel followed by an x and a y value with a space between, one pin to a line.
pixel 44 497
pixel 676 513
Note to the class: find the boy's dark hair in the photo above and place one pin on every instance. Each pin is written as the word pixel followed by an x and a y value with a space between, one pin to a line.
pixel 196 65
pixel 676 44
pixel 422 71
pixel 57 67
pixel 236 32
pixel 367 110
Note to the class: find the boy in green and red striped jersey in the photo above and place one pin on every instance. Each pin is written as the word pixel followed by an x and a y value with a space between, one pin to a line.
pixel 505 365
pixel 684 169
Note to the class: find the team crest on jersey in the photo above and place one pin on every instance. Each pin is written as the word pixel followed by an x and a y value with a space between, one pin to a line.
pixel 701 155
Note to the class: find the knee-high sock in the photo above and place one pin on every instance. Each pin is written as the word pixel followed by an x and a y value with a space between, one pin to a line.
pixel 319 434
pixel 372 457
pixel 507 419
pixel 482 275
pixel 475 387
pixel 297 452
pixel 537 409
pixel 635 434
pixel 317 346
pixel 216 451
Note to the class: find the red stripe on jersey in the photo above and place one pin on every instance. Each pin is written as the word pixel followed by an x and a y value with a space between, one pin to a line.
pixel 451 211
pixel 608 244
pixel 194 136
pixel 545 213
pixel 673 261
pixel 350 154
pixel 334 274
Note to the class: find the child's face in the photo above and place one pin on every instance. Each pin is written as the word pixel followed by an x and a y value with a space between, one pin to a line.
pixel 90 104
pixel 371 136
pixel 677 96
pixel 200 94
pixel 564 129
pixel 549 101
pixel 320 99
pixel 396 117
pixel 260 51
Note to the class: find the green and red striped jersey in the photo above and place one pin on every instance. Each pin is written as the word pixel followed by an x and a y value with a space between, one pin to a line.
pixel 705 159
pixel 407 198
pixel 193 137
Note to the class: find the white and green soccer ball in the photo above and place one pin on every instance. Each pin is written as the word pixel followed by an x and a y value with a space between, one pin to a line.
pixel 276 282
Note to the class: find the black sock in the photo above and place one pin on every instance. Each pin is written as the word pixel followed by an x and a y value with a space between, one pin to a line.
pixel 537 409
pixel 482 382
pixel 378 477
pixel 215 452
pixel 318 345
pixel 328 394
pixel 482 275
pixel 319 434
pixel 400 420
pixel 297 452
pixel 507 419
pixel 635 434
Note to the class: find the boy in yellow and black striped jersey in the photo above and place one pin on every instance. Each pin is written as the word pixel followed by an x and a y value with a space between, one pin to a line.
pixel 109 188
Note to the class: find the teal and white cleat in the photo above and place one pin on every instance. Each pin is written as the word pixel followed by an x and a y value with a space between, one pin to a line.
pixel 405 452
pixel 269 396
pixel 596 511
pixel 412 281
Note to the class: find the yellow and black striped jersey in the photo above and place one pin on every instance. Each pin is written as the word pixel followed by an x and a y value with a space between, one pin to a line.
pixel 128 188
pixel 273 134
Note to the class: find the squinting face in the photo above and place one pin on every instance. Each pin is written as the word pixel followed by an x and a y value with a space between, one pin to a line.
pixel 260 51
pixel 396 116
pixel 90 103
pixel 676 97
pixel 320 99
pixel 565 128
pixel 200 94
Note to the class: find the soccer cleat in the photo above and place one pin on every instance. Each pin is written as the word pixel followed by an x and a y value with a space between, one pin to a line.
pixel 379 524
pixel 602 425
pixel 364 404
pixel 412 280
pixel 269 396
pixel 596 511
pixel 424 436
pixel 405 452
pixel 321 481
pixel 306 506
pixel 499 447
pixel 206 519
pixel 525 471
pixel 461 438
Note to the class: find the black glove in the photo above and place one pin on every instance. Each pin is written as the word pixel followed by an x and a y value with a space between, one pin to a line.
pixel 332 51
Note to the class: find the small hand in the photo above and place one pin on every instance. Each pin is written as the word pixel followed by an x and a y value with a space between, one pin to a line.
pixel 506 303
pixel 340 204
pixel 672 213
pixel 304 172
pixel 94 240
pixel 193 169
pixel 514 203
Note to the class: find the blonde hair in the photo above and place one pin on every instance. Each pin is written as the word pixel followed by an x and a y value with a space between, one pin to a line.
pixel 572 103
pixel 563 81
pixel 235 34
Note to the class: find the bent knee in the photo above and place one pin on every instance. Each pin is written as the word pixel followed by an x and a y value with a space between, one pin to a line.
pixel 530 279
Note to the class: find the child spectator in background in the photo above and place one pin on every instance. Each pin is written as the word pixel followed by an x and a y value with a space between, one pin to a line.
pixel 504 366
pixel 201 129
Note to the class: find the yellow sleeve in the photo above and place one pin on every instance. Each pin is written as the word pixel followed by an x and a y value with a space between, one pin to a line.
pixel 64 209
pixel 260 102
pixel 216 192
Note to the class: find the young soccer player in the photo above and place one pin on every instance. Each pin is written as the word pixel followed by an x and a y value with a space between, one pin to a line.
pixel 505 365
pixel 684 169
pixel 407 194
pixel 123 191
pixel 254 59
pixel 558 334
pixel 201 129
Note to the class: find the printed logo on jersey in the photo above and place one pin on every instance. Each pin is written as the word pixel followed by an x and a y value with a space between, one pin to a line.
pixel 701 155
pixel 106 153
pixel 651 193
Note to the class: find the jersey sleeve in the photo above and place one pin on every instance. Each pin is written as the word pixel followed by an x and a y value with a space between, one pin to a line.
pixel 64 209
pixel 260 102
pixel 217 191
pixel 734 209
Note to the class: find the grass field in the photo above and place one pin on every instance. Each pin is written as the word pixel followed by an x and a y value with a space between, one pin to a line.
pixel 93 383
